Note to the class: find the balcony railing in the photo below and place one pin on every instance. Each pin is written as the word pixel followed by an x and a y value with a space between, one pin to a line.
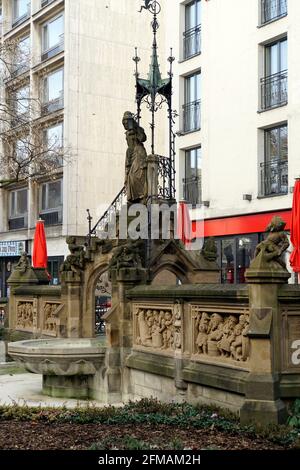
pixel 53 217
pixel 274 177
pixel 192 116
pixel 272 10
pixel 192 190
pixel 274 90
pixel 54 50
pixel 192 42
pixel 24 17
pixel 19 69
pixel 46 2
pixel 17 223
pixel 53 106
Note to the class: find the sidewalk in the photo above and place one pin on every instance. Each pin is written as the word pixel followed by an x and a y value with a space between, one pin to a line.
pixel 26 389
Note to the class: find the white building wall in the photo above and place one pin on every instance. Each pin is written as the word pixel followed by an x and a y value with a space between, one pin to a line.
pixel 231 136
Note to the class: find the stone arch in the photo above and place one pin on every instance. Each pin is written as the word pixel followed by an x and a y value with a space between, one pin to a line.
pixel 167 267
pixel 92 274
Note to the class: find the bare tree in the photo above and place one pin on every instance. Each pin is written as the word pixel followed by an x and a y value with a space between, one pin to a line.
pixel 32 147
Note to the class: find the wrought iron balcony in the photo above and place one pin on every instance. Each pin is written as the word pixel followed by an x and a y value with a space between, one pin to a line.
pixel 46 2
pixel 192 116
pixel 54 105
pixel 192 190
pixel 274 90
pixel 18 20
pixel 52 217
pixel 17 223
pixel 272 10
pixel 192 42
pixel 274 177
pixel 54 50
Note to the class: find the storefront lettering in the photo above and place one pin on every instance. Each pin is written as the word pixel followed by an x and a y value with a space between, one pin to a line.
pixel 12 248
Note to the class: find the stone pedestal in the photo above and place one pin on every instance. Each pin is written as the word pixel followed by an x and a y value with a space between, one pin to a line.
pixel 262 401
pixel 116 382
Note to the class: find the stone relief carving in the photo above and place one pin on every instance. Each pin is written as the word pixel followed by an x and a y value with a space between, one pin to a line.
pixel 51 317
pixel 26 316
pixel 177 325
pixel 268 253
pixel 75 261
pixel 223 335
pixel 158 328
pixel 23 264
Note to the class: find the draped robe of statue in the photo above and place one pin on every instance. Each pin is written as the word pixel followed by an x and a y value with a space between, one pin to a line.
pixel 136 165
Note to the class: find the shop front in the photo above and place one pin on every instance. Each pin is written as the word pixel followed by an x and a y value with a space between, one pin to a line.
pixel 10 252
pixel 236 238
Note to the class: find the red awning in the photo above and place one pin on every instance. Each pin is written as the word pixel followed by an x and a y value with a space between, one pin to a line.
pixel 238 225
pixel 295 229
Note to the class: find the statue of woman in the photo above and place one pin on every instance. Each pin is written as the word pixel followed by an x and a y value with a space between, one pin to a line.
pixel 136 160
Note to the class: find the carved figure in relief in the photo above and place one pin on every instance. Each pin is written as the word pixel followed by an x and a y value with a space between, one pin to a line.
pixel 145 337
pixel 215 332
pixel 202 325
pixel 25 315
pixel 227 337
pixel 157 340
pixel 166 328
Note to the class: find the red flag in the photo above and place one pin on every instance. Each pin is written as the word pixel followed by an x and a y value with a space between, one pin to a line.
pixel 295 229
pixel 184 224
pixel 39 256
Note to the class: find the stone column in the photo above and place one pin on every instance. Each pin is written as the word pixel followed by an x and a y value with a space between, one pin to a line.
pixel 152 175
pixel 119 325
pixel 262 402
pixel 71 294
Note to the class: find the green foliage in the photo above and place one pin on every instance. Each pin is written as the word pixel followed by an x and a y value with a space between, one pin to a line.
pixel 294 419
pixel 152 412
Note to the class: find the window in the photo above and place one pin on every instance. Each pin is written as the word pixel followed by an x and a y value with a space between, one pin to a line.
pixel 22 100
pixel 53 91
pixel 192 181
pixel 54 263
pixel 22 149
pixel 51 202
pixel 53 143
pixel 53 137
pixel 274 170
pixel 53 37
pixel 21 11
pixel 273 10
pixel 235 255
pixel 192 34
pixel 191 108
pixel 274 84
pixel 21 58
pixel 18 208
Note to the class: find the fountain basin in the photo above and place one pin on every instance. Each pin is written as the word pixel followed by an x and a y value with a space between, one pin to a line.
pixel 60 357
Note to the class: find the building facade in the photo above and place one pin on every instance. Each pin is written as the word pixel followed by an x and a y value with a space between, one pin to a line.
pixel 237 88
pixel 79 66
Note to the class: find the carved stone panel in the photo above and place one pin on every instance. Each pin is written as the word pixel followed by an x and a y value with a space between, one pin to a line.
pixel 26 315
pixel 220 334
pixel 158 327
pixel 50 318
